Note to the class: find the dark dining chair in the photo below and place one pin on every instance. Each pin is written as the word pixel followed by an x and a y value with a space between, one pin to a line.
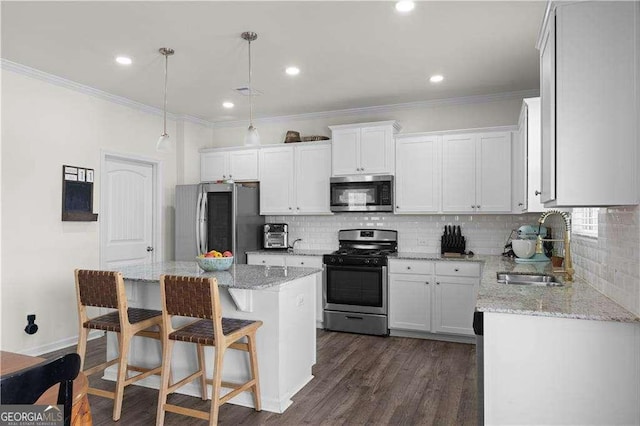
pixel 27 385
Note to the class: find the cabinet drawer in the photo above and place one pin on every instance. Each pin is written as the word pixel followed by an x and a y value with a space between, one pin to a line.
pixel 460 269
pixel 267 260
pixel 304 261
pixel 410 267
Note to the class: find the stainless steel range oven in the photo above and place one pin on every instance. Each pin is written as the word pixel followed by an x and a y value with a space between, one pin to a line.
pixel 355 289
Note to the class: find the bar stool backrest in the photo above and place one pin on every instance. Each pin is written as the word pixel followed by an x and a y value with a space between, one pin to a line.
pixel 194 297
pixel 103 289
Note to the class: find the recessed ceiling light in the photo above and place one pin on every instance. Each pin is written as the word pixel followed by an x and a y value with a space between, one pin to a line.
pixel 123 60
pixel 405 6
pixel 436 78
pixel 292 70
pixel 228 105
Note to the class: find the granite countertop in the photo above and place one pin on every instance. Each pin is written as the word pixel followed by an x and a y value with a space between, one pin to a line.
pixel 577 299
pixel 297 252
pixel 251 277
pixel 436 256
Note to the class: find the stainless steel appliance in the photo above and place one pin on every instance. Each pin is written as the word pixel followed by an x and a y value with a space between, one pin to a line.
pixel 275 235
pixel 217 216
pixel 355 288
pixel 361 193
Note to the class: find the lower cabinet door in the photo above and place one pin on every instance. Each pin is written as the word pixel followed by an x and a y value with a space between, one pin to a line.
pixel 311 262
pixel 410 302
pixel 455 301
pixel 265 259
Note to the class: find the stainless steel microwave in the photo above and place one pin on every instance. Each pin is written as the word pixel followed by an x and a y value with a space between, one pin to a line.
pixel 362 194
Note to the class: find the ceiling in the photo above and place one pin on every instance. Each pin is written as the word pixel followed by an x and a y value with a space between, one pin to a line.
pixel 351 54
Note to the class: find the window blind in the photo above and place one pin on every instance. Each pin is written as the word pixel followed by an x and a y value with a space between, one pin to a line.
pixel 585 222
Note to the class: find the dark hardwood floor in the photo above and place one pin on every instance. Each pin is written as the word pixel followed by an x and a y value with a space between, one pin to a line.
pixel 358 380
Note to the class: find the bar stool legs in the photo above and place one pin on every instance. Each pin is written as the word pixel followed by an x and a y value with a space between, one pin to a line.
pixel 253 354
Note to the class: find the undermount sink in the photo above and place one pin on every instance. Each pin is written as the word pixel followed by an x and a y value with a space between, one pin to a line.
pixel 528 279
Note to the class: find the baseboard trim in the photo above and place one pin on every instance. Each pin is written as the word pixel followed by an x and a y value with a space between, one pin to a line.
pixel 433 336
pixel 60 344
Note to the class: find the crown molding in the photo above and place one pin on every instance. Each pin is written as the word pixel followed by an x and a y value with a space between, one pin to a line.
pixel 382 109
pixel 28 71
pixel 8 65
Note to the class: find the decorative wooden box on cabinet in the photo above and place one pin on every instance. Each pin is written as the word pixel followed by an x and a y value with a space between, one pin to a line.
pixel 589 74
pixel 294 179
pixel 363 149
pixel 239 164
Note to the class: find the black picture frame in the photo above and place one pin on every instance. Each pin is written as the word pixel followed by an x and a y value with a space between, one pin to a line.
pixel 77 194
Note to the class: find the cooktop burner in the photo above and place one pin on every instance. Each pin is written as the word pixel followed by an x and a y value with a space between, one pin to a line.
pixel 363 247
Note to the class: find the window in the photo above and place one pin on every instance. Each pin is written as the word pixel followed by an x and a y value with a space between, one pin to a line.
pixel 585 222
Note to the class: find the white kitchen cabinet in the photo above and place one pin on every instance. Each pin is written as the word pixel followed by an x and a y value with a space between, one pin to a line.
pixel 589 60
pixel 295 179
pixel 433 297
pixel 476 172
pixel 527 159
pixel 455 296
pixel 239 165
pixel 298 261
pixel 418 183
pixel 363 149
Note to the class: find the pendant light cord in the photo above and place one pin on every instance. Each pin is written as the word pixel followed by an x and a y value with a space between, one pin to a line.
pixel 166 73
pixel 250 90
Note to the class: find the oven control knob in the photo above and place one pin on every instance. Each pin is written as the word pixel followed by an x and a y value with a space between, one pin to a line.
pixel 375 261
pixel 366 261
pixel 340 260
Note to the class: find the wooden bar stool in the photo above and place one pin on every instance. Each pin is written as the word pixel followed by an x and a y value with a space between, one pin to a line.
pixel 199 298
pixel 106 290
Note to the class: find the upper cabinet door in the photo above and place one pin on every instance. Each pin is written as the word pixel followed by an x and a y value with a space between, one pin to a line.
pixel 276 181
pixel 548 115
pixel 418 175
pixel 313 169
pixel 213 166
pixel 346 151
pixel 243 164
pixel 376 150
pixel 493 179
pixel 459 173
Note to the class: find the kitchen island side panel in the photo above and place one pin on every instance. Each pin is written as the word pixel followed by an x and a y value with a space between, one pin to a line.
pixel 546 370
pixel 286 343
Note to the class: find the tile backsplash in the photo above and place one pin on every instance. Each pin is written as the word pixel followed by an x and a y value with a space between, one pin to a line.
pixel 611 262
pixel 485 234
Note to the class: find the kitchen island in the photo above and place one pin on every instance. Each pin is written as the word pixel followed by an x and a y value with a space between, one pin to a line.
pixel 283 298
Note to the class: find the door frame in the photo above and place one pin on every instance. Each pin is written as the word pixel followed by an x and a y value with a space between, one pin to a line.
pixel 158 197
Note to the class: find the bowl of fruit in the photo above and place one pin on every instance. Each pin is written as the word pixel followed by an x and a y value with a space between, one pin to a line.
pixel 215 260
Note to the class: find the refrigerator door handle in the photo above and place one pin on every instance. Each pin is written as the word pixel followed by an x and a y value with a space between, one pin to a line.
pixel 203 223
pixel 198 220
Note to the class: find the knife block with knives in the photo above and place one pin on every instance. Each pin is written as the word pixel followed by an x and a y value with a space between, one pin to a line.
pixel 452 242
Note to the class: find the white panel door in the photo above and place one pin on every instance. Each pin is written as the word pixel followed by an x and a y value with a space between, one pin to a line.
pixel 313 170
pixel 128 214
pixel 455 301
pixel 213 166
pixel 417 175
pixel 276 181
pixel 493 168
pixel 410 302
pixel 374 150
pixel 459 173
pixel 345 152
pixel 243 164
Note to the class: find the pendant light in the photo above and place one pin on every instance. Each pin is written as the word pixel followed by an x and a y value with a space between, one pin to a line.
pixel 163 141
pixel 252 137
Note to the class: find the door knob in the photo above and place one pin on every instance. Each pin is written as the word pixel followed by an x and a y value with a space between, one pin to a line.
pixel 149 248
pixel 538 192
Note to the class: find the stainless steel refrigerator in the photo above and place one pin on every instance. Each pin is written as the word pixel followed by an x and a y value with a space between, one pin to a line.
pixel 218 216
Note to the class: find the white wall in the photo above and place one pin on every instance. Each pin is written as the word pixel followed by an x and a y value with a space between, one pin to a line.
pixel 439 116
pixel 43 127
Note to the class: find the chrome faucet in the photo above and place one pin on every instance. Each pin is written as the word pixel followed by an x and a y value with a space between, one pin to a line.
pixel 568 264
pixel 292 247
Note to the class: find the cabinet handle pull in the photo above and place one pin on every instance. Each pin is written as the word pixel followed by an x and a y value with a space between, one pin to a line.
pixel 427 282
pixel 538 192
pixel 437 283
pixel 456 269
pixel 264 261
pixel 478 206
pixel 473 207
pixel 362 169
pixel 224 176
pixel 520 204
pixel 302 263
pixel 408 267
pixel 297 208
pixel 290 208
